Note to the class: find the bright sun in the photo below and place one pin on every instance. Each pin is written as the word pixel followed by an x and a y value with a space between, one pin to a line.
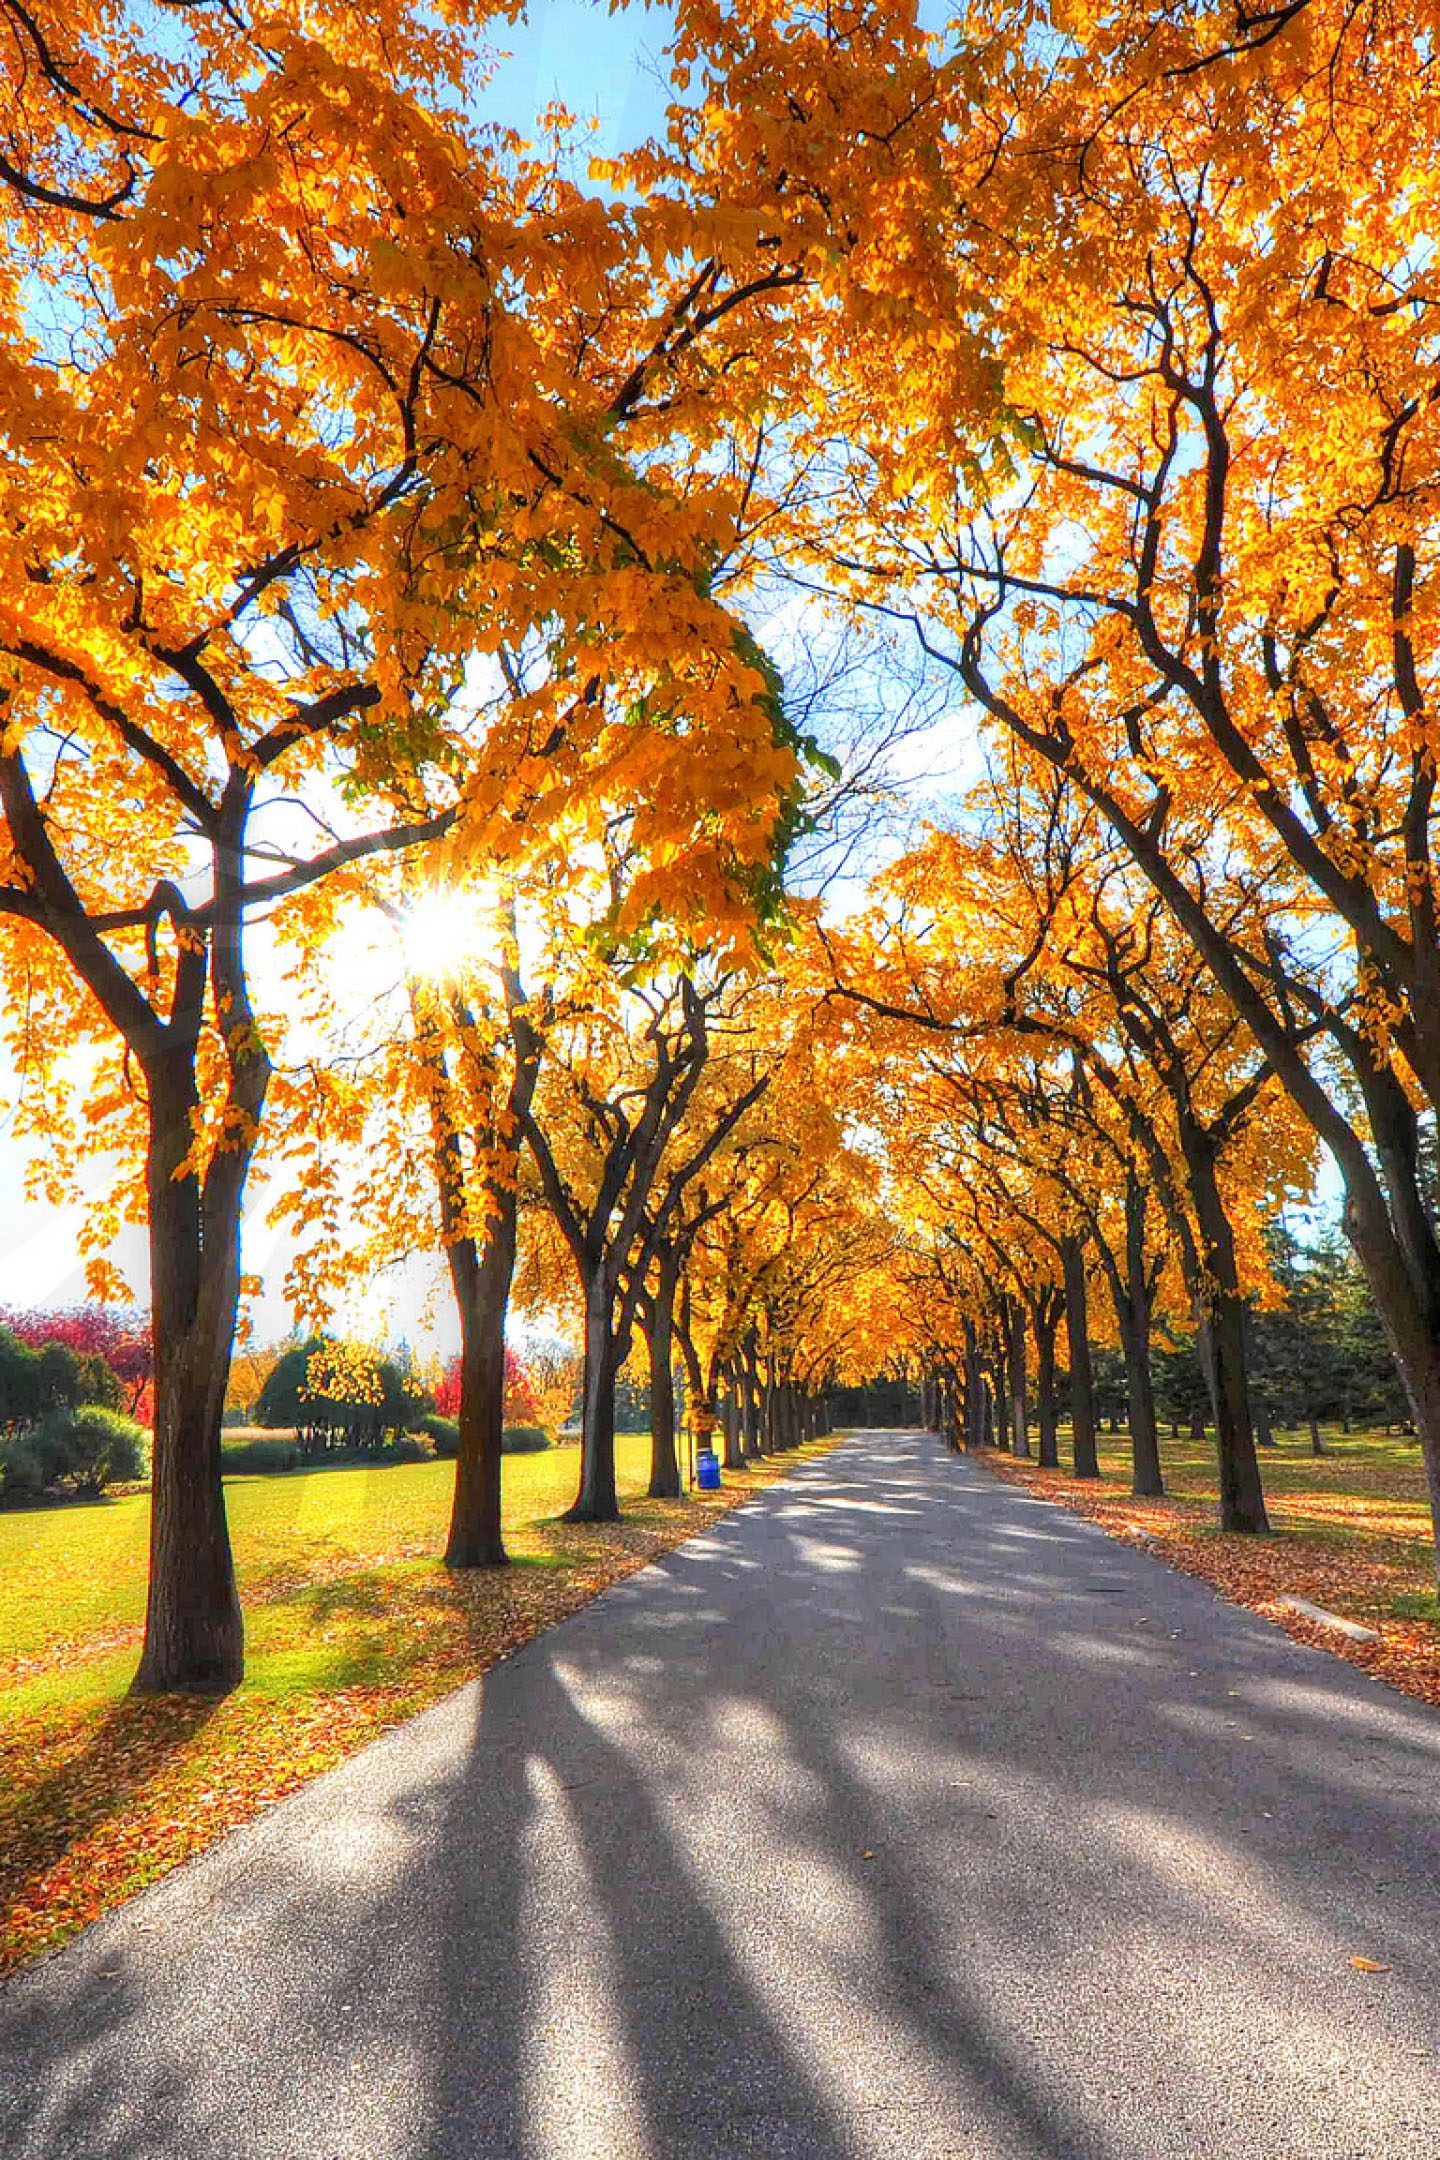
pixel 444 931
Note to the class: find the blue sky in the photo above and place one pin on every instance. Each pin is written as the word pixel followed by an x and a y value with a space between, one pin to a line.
pixel 603 66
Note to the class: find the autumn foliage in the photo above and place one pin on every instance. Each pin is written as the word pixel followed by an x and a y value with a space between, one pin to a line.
pixel 403 530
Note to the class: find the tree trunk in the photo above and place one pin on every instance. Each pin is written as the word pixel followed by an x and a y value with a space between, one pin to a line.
pixel 1404 1278
pixel 1146 1479
pixel 659 1334
pixel 596 1500
pixel 998 1424
pixel 1045 1319
pixel 1242 1497
pixel 482 1297
pixel 1082 1380
pixel 194 1634
pixel 750 1382
pixel 1133 1312
pixel 1316 1444
pixel 734 1450
pixel 1019 1380
pixel 974 1383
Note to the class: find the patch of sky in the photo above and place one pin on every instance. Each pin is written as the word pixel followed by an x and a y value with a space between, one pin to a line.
pixel 607 68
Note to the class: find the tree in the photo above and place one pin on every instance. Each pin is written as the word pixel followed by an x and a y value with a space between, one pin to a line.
pixel 609 1138
pixel 120 1338
pixel 339 1394
pixel 284 455
pixel 1179 537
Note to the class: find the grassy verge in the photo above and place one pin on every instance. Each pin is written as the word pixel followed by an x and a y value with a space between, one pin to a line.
pixel 351 1623
pixel 1351 1533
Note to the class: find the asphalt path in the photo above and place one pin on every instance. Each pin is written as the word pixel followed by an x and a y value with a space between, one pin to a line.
pixel 899 1815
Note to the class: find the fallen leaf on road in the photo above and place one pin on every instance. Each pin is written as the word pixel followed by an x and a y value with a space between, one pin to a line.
pixel 1368 1965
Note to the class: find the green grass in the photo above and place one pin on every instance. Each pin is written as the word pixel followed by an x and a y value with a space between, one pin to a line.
pixel 1364 1483
pixel 1416 1605
pixel 74 1574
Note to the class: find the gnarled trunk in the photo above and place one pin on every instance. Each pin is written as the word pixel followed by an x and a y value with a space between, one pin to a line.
pixel 1017 1361
pixel 750 1398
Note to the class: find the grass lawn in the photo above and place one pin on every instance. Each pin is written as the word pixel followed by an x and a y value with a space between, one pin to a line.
pixel 75 1575
pixel 351 1625
pixel 1351 1532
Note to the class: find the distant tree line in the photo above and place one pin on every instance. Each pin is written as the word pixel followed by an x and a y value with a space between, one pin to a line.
pixel 62 1422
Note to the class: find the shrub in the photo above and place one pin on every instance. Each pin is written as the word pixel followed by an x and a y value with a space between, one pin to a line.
pixel 22 1473
pixel 443 1434
pixel 400 1448
pixel 89 1448
pixel 260 1456
pixel 523 1440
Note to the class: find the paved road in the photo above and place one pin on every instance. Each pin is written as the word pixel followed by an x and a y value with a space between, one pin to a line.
pixel 900 1816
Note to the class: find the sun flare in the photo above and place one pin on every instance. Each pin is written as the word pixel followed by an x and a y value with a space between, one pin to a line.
pixel 444 931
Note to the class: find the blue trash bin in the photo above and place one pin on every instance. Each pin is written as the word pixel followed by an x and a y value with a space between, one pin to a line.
pixel 707 1470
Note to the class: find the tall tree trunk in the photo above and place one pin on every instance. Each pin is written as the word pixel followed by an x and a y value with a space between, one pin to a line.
pixel 659 1337
pixel 596 1500
pixel 1082 1378
pixel 1147 1480
pixel 1402 1266
pixel 750 1382
pixel 1045 1318
pixel 482 1298
pixel 1016 1359
pixel 998 1434
pixel 700 1394
pixel 974 1371
pixel 194 1635
pixel 1242 1497
pixel 734 1446
pixel 1133 1312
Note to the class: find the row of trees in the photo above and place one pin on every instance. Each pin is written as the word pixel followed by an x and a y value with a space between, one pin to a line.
pixel 388 518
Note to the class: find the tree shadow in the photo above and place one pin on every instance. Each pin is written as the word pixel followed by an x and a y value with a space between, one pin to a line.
pixel 759 1857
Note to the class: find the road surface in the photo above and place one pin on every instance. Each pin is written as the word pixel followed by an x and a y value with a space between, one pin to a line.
pixel 900 1817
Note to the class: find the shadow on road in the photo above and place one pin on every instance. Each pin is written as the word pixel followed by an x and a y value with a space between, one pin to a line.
pixel 897 1816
